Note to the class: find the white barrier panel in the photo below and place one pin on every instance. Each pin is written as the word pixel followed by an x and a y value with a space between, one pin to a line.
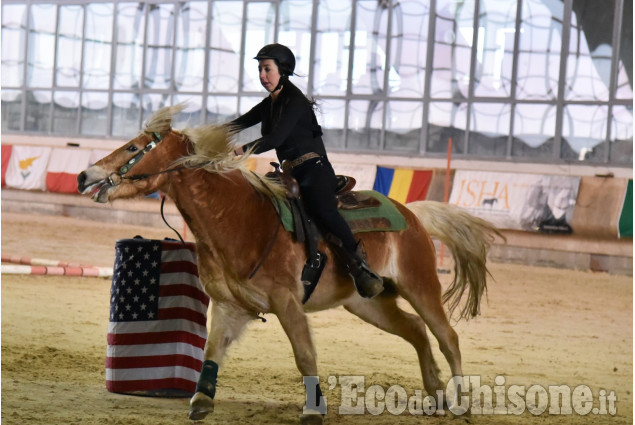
pixel 518 201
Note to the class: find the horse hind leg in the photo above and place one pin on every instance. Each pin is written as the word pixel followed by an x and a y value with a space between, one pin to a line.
pixel 228 323
pixel 384 313
pixel 426 300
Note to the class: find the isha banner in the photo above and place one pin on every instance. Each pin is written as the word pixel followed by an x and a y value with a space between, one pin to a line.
pixel 530 202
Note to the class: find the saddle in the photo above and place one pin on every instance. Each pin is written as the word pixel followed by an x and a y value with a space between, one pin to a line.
pixel 305 229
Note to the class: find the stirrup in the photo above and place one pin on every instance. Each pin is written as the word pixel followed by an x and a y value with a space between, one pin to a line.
pixel 368 283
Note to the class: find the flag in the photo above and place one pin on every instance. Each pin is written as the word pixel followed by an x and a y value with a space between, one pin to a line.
pixel 401 184
pixel 625 225
pixel 64 166
pixel 27 167
pixel 6 155
pixel 96 155
pixel 157 329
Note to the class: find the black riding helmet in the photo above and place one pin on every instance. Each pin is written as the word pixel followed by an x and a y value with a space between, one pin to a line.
pixel 281 54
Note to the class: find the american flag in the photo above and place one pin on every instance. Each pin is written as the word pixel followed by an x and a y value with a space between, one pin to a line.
pixel 157 328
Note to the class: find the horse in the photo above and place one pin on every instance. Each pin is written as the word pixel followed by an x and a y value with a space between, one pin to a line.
pixel 248 266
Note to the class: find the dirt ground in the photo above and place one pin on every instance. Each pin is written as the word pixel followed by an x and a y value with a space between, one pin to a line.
pixel 540 326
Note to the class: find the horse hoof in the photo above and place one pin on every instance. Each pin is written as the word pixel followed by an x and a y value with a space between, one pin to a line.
pixel 311 419
pixel 200 406
pixel 198 414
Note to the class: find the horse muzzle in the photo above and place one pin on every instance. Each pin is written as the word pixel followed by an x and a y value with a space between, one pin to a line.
pixel 95 187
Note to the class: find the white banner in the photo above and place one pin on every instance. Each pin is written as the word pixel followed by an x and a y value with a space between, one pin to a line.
pixel 27 167
pixel 518 201
pixel 364 174
pixel 68 160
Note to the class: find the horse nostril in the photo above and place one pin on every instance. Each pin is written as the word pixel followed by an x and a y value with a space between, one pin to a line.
pixel 81 179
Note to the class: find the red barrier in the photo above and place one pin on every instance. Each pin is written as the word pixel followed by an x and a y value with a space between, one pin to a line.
pixel 57 271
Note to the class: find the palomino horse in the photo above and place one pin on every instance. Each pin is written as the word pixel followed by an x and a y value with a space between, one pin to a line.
pixel 236 231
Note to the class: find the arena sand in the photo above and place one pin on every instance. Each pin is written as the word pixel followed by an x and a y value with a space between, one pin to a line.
pixel 539 326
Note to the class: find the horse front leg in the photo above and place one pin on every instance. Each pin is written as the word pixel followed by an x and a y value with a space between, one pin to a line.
pixel 290 312
pixel 228 322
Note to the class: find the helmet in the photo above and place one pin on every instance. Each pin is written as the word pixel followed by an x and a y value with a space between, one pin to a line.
pixel 281 54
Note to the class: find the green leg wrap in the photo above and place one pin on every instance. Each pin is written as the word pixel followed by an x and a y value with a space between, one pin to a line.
pixel 207 381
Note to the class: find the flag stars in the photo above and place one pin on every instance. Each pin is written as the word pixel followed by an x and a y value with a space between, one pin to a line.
pixel 128 307
pixel 154 264
pixel 138 264
pixel 143 307
pixel 145 273
pixel 146 256
pixel 137 282
pixel 135 298
pixel 128 290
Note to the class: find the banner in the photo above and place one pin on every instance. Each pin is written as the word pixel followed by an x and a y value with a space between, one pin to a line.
pixel 6 156
pixel 27 167
pixel 625 225
pixel 364 174
pixel 518 201
pixel 64 166
pixel 401 184
pixel 96 155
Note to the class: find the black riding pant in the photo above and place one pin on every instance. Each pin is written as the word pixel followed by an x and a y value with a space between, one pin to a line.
pixel 317 188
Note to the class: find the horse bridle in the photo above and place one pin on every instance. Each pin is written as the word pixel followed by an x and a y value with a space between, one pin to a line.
pixel 124 169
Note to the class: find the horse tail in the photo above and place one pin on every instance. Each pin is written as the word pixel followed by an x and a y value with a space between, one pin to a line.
pixel 469 239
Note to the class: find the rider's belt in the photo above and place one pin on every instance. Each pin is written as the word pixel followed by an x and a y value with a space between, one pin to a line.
pixel 288 165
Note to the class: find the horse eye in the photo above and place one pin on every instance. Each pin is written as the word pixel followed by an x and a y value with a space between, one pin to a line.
pixel 132 148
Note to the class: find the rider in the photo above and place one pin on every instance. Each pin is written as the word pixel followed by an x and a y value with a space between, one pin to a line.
pixel 290 127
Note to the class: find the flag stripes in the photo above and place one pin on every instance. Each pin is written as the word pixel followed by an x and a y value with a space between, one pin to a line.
pixel 157 332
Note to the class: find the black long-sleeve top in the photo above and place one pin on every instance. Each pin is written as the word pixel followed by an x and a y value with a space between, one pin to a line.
pixel 289 125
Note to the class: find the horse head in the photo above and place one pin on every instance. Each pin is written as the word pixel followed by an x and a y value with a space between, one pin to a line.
pixel 138 167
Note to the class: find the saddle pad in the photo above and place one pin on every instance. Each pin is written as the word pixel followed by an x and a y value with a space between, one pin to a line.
pixel 383 218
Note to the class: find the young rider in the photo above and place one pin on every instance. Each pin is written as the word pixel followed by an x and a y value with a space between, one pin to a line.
pixel 289 125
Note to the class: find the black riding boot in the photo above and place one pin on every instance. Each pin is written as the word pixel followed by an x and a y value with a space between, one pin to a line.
pixel 367 282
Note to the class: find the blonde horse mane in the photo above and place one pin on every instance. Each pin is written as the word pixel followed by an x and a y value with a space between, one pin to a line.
pixel 161 121
pixel 213 150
